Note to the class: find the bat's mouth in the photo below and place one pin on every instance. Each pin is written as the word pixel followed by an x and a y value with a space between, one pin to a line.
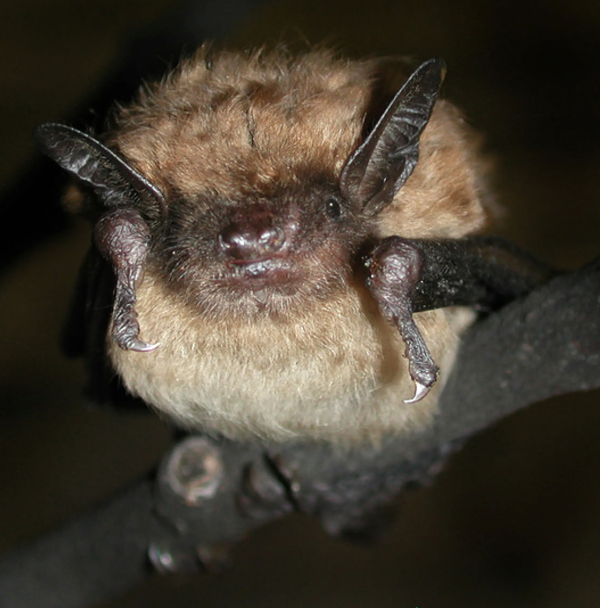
pixel 278 283
pixel 276 276
pixel 257 267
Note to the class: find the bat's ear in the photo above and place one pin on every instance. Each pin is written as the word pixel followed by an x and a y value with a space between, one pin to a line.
pixel 379 167
pixel 116 183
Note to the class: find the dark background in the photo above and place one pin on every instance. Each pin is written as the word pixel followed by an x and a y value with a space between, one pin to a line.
pixel 515 518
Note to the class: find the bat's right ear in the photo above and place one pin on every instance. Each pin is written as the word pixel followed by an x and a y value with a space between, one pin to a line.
pixel 116 183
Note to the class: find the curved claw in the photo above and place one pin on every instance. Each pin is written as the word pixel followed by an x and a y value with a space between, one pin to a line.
pixel 137 345
pixel 421 391
pixel 144 347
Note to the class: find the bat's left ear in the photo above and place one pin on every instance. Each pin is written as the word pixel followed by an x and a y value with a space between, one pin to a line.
pixel 379 167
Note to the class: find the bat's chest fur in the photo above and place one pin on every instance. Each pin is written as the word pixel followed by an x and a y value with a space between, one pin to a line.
pixel 335 372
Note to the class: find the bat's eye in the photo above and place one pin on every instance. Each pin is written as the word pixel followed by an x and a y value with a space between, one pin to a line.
pixel 333 208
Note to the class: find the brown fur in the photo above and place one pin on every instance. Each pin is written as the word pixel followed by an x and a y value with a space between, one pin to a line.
pixel 237 126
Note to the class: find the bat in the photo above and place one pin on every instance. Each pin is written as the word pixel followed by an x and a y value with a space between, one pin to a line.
pixel 288 243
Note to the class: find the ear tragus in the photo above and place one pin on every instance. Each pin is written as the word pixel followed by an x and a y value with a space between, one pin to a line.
pixel 380 166
pixel 116 183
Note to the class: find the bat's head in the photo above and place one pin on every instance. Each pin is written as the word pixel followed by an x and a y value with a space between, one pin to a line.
pixel 259 178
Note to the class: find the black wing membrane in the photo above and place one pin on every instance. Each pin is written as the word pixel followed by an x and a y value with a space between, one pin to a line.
pixel 85 333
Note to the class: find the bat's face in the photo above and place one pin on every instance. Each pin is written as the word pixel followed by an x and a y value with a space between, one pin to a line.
pixel 260 254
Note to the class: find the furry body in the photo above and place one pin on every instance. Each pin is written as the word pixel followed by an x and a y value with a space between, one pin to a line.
pixel 335 372
pixel 322 364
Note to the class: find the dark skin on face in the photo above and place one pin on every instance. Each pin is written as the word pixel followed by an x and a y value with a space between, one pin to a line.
pixel 301 242
pixel 295 242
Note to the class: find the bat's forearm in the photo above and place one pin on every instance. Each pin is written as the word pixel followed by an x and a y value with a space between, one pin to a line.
pixel 484 272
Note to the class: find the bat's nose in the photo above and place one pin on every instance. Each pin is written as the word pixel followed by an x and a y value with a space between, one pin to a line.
pixel 251 235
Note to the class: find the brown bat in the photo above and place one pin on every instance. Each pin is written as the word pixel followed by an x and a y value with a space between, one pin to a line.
pixel 259 213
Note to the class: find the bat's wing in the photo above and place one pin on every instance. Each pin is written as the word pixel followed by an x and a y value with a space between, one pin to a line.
pixel 85 331
pixel 480 271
